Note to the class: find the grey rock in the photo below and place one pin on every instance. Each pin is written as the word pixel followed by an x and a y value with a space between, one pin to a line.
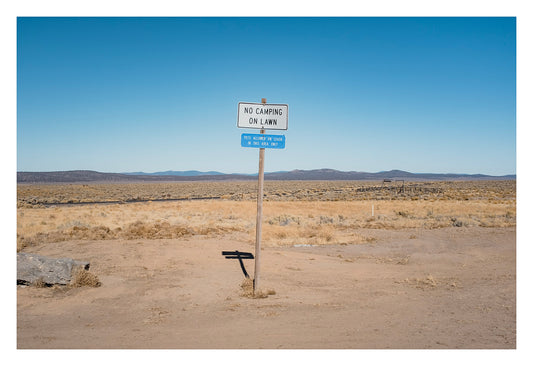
pixel 34 267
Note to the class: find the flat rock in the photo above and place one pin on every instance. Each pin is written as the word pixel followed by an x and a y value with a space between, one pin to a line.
pixel 34 267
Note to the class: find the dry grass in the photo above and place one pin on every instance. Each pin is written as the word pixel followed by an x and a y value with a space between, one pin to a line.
pixel 429 282
pixel 318 222
pixel 39 283
pixel 82 277
pixel 247 287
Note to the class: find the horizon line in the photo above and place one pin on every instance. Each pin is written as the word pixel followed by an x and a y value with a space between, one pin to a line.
pixel 270 172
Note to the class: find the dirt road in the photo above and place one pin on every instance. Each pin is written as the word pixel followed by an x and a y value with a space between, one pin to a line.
pixel 442 288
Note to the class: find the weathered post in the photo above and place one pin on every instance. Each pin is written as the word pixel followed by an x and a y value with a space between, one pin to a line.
pixel 259 221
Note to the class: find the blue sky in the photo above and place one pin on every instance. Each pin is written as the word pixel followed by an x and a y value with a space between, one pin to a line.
pixel 365 94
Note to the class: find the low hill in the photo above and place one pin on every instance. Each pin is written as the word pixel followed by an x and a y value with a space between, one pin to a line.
pixel 331 174
pixel 185 173
pixel 86 176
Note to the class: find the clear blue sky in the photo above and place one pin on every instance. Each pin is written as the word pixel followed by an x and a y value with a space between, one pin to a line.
pixel 366 94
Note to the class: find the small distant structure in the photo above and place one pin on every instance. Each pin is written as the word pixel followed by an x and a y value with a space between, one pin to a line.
pixel 399 188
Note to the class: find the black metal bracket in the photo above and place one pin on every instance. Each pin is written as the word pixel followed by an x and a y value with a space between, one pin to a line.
pixel 240 256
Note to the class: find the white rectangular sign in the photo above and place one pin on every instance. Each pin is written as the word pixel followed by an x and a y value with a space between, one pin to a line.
pixel 263 116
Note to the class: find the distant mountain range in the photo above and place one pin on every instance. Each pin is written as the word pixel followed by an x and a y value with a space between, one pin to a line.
pixel 186 173
pixel 85 176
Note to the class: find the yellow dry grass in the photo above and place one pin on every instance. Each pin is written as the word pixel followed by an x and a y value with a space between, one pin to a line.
pixel 247 287
pixel 284 223
pixel 82 277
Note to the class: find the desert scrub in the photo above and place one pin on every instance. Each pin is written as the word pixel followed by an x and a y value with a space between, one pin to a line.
pixel 82 277
pixel 284 220
pixel 247 290
pixel 285 223
pixel 33 195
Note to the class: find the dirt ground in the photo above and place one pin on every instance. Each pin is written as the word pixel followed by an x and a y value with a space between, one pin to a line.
pixel 449 288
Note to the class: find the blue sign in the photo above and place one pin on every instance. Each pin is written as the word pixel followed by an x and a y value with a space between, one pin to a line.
pixel 263 141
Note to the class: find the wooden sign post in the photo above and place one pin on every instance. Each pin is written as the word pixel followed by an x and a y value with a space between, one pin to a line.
pixel 265 117
pixel 261 178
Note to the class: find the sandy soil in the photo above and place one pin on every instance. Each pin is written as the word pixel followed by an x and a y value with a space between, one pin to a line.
pixel 442 288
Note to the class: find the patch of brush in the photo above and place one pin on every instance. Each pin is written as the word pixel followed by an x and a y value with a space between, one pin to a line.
pixel 247 290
